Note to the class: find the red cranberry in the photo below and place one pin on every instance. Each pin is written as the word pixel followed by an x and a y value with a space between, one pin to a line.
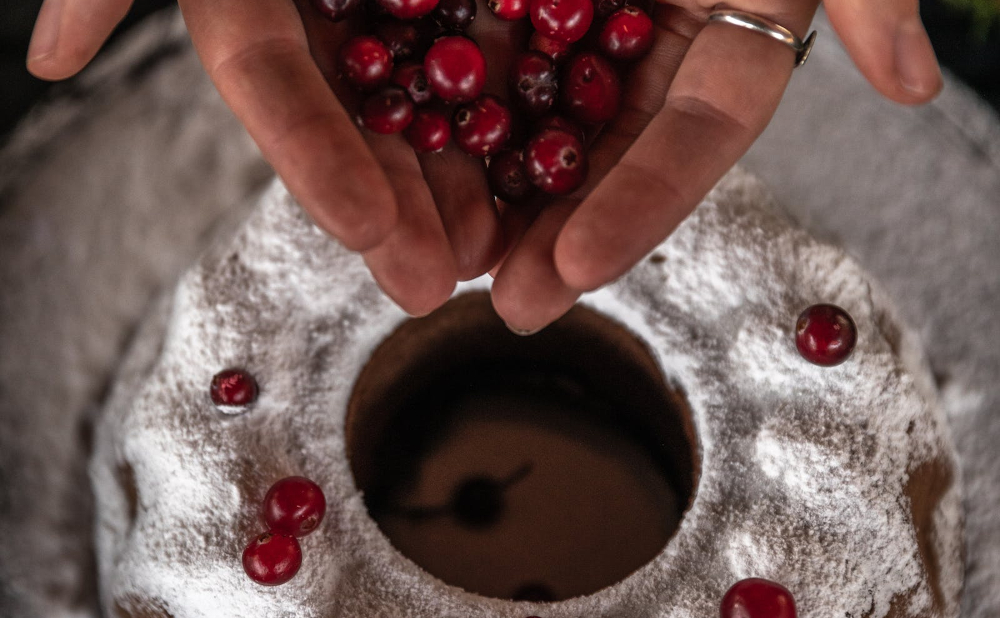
pixel 604 8
pixel 532 82
pixel 558 122
pixel 233 387
pixel 412 79
pixel 627 35
pixel 408 9
pixel 482 127
pixel 825 335
pixel 455 14
pixel 272 558
pixel 508 177
pixel 509 10
pixel 387 111
pixel 757 598
pixel 404 39
pixel 337 10
pixel 429 131
pixel 294 505
pixel 556 162
pixel 564 20
pixel 456 69
pixel 590 89
pixel 365 62
pixel 558 50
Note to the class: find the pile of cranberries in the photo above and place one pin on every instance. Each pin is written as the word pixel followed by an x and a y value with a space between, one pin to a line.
pixel 421 75
pixel 293 508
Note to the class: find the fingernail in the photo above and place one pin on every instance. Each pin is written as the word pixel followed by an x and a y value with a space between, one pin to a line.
pixel 46 33
pixel 915 61
pixel 524 332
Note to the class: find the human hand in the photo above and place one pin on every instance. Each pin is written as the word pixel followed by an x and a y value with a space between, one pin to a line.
pixel 691 109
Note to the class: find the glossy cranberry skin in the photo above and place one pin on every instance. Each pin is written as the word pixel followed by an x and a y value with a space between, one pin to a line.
pixel 233 387
pixel 408 9
pixel 590 91
pixel 509 10
pixel 825 335
pixel 508 177
pixel 563 20
pixel 294 505
pixel 429 131
pixel 757 598
pixel 560 123
pixel 482 128
pixel 337 10
pixel 556 162
pixel 272 558
pixel 455 14
pixel 365 62
pixel 627 35
pixel 387 111
pixel 456 69
pixel 412 79
pixel 404 39
pixel 557 50
pixel 533 82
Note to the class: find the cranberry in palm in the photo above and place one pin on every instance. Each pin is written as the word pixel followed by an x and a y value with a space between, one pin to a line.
pixel 365 62
pixel 627 35
pixel 408 9
pixel 404 39
pixel 455 14
pixel 412 79
pixel 558 50
pixel 509 10
pixel 387 111
pixel 590 91
pixel 563 20
pixel 532 82
pixel 337 10
pixel 482 127
pixel 508 178
pixel 456 69
pixel 555 162
pixel 429 131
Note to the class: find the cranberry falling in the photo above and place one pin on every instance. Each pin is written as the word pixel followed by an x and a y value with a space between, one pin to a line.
pixel 825 335
pixel 757 598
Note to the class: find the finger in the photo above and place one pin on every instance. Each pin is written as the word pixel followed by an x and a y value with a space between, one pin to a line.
pixel 68 34
pixel 414 265
pixel 258 57
pixel 889 45
pixel 528 293
pixel 467 209
pixel 725 91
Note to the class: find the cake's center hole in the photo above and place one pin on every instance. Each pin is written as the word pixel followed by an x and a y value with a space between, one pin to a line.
pixel 529 468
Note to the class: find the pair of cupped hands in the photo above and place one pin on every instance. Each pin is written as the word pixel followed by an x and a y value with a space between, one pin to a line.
pixel 690 109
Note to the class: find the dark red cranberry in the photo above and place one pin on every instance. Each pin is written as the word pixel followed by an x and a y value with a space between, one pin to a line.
pixel 757 598
pixel 408 9
pixel 556 162
pixel 365 62
pixel 412 79
pixel 563 20
pixel 508 177
pixel 455 14
pixel 337 10
pixel 233 387
pixel 272 558
pixel 558 50
pixel 509 10
pixel 590 90
pixel 627 35
pixel 604 8
pixel 294 505
pixel 825 335
pixel 387 111
pixel 558 122
pixel 456 69
pixel 532 82
pixel 404 39
pixel 429 131
pixel 482 127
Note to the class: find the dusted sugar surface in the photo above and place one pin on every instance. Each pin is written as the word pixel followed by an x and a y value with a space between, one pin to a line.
pixel 839 483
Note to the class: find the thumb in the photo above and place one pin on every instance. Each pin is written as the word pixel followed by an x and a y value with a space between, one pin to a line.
pixel 888 43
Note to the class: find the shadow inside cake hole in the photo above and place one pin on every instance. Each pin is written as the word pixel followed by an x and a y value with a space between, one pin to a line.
pixel 529 468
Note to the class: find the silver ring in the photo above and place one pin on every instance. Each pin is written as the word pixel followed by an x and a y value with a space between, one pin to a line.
pixel 769 28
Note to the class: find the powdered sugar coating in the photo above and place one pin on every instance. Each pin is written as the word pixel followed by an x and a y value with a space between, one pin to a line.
pixel 804 469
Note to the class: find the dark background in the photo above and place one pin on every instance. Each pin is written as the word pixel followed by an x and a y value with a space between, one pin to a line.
pixel 972 54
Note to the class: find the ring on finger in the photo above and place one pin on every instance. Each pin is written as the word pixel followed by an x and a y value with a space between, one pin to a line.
pixel 767 27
